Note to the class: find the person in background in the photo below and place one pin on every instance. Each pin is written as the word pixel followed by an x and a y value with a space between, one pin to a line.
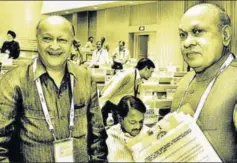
pixel 99 57
pixel 131 114
pixel 211 89
pixel 76 55
pixel 50 106
pixel 124 83
pixel 120 56
pixel 104 44
pixel 89 44
pixel 11 46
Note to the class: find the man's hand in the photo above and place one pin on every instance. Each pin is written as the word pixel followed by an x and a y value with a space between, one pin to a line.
pixel 7 51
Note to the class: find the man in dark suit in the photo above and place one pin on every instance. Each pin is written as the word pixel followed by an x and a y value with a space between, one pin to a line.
pixel 11 46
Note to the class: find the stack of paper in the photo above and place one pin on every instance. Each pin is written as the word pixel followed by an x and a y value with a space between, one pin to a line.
pixel 176 138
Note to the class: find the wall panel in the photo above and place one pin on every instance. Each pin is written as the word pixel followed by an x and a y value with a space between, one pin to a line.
pixel 112 23
pixel 92 23
pixel 21 17
pixel 144 14
pixel 168 49
pixel 82 27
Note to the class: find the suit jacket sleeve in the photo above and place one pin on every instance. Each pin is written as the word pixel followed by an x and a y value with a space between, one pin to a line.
pixel 97 135
pixel 15 51
pixel 3 48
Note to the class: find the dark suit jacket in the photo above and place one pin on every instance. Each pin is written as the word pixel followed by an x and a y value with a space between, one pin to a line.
pixel 13 47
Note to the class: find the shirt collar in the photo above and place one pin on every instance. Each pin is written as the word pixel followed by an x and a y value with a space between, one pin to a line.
pixel 138 75
pixel 40 69
pixel 213 70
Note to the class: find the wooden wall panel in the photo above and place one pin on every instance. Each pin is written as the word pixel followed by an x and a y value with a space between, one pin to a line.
pixel 92 23
pixel 112 23
pixel 144 14
pixel 82 27
pixel 21 17
pixel 168 18
pixel 68 17
pixel 188 4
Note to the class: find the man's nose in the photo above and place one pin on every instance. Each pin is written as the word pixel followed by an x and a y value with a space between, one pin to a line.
pixel 55 45
pixel 189 41
pixel 137 126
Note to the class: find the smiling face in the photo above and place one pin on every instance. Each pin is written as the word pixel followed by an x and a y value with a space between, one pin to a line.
pixel 54 38
pixel 201 37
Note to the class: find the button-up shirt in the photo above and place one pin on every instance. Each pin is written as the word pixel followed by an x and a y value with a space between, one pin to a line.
pixel 99 57
pixel 120 85
pixel 21 111
pixel 121 56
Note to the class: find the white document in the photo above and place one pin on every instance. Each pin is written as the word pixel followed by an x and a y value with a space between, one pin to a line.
pixel 184 143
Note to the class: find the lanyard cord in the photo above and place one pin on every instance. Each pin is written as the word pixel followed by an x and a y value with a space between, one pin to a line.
pixel 98 56
pixel 44 105
pixel 135 87
pixel 208 89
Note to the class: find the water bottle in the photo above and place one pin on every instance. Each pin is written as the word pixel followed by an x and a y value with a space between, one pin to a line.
pixel 110 120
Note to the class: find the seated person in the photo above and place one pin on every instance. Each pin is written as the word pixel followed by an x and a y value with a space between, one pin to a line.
pixel 76 55
pixel 120 56
pixel 105 45
pixel 90 44
pixel 131 115
pixel 11 46
pixel 99 56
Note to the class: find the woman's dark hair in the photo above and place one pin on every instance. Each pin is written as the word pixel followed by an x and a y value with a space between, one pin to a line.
pixel 130 101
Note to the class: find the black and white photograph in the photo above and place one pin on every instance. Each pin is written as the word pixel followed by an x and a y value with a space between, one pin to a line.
pixel 118 81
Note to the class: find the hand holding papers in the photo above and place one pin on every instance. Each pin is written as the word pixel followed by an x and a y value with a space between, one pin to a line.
pixel 176 138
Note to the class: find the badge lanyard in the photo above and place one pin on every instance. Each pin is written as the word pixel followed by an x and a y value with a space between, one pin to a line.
pixel 135 88
pixel 122 54
pixel 208 89
pixel 98 56
pixel 45 108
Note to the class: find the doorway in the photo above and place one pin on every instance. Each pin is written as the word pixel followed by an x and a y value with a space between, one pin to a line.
pixel 141 45
pixel 141 48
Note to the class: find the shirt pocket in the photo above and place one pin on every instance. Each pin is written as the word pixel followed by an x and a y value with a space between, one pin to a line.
pixel 35 126
pixel 80 121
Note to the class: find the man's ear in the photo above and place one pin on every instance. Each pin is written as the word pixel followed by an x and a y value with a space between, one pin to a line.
pixel 226 35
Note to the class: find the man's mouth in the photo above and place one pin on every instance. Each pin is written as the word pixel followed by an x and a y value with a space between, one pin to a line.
pixel 56 54
pixel 135 131
pixel 190 55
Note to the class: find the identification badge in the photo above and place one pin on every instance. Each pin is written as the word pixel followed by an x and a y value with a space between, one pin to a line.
pixel 63 150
